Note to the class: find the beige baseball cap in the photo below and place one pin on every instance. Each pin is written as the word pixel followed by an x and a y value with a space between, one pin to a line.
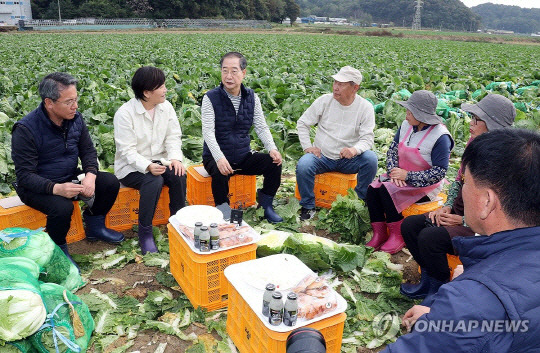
pixel 348 74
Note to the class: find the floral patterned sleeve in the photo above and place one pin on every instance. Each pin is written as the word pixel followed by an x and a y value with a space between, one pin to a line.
pixel 392 157
pixel 453 191
pixel 426 177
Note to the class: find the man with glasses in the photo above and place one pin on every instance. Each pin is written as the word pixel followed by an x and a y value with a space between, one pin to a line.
pixel 228 113
pixel 46 147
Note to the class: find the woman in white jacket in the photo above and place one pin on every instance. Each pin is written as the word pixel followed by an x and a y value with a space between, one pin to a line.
pixel 149 149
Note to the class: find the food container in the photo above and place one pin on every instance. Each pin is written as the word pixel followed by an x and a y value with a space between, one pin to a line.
pixel 184 222
pixel 250 330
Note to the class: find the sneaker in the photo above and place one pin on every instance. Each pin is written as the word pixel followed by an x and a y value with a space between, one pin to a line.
pixel 306 213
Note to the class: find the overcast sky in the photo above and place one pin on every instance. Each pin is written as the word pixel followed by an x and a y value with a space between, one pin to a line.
pixel 521 3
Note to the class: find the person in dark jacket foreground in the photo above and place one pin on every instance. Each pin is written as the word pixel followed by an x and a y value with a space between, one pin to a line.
pixel 46 147
pixel 494 306
pixel 228 113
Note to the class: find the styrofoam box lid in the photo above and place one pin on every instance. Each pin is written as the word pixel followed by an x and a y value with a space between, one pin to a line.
pixel 173 220
pixel 249 278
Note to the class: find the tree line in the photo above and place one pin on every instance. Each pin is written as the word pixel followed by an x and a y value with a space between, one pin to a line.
pixel 442 14
pixel 510 18
pixel 271 10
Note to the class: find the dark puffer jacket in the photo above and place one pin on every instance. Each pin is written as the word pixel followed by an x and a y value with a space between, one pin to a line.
pixel 499 291
pixel 45 154
pixel 231 129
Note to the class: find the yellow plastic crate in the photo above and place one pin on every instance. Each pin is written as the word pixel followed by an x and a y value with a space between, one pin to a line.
pixel 328 186
pixel 201 277
pixel 250 335
pixel 26 217
pixel 424 207
pixel 242 189
pixel 125 211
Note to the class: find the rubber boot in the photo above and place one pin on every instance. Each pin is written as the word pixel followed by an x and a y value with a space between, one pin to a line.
pixel 395 241
pixel 64 248
pixel 265 201
pixel 417 291
pixel 226 210
pixel 380 235
pixel 434 285
pixel 95 230
pixel 146 239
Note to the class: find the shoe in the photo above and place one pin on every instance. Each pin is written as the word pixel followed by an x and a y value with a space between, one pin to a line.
pixel 434 285
pixel 380 235
pixel 417 291
pixel 226 210
pixel 64 248
pixel 265 201
pixel 96 230
pixel 307 213
pixel 146 239
pixel 395 241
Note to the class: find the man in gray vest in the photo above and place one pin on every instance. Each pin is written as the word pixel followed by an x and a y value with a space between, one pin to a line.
pixel 46 147
pixel 228 113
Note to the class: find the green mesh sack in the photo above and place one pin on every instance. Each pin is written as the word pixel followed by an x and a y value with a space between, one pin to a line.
pixel 402 94
pixel 60 332
pixel 22 311
pixel 38 246
pixel 22 346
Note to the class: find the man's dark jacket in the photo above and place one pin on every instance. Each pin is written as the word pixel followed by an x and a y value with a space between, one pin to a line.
pixel 45 154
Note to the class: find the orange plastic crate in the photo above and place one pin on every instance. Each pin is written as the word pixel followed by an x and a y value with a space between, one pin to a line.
pixel 328 186
pixel 453 262
pixel 424 207
pixel 125 211
pixel 242 189
pixel 201 277
pixel 27 217
pixel 250 335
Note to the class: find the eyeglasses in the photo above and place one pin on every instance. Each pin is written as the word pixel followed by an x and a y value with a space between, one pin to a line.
pixel 70 102
pixel 233 72
pixel 475 120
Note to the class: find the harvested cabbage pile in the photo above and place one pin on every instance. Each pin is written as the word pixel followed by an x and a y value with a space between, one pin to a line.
pixel 38 246
pixel 22 311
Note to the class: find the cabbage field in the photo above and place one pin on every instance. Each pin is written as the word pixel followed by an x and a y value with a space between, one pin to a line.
pixel 288 72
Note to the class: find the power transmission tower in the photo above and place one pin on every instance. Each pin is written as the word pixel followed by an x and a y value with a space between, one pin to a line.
pixel 417 16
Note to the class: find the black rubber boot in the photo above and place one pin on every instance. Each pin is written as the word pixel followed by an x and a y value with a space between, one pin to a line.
pixel 434 285
pixel 265 201
pixel 64 248
pixel 96 230
pixel 146 239
pixel 417 291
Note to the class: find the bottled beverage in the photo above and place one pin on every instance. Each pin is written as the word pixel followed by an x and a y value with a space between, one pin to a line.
pixel 290 312
pixel 267 297
pixel 204 239
pixel 214 236
pixel 197 234
pixel 276 309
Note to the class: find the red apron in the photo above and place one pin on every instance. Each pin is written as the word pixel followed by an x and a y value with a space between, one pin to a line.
pixel 410 159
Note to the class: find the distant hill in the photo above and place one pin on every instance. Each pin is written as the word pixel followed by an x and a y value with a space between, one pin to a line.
pixel 509 18
pixel 447 14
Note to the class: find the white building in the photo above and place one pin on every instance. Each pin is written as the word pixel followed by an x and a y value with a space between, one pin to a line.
pixel 11 11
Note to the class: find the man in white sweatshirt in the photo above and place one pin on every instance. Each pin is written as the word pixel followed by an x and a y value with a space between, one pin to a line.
pixel 344 137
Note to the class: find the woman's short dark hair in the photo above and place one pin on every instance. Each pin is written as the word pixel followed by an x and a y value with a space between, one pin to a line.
pixel 147 78
pixel 508 162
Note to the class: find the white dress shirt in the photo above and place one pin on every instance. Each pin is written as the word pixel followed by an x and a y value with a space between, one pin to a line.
pixel 140 139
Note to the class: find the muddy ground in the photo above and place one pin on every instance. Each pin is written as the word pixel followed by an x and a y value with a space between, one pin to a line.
pixel 136 280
